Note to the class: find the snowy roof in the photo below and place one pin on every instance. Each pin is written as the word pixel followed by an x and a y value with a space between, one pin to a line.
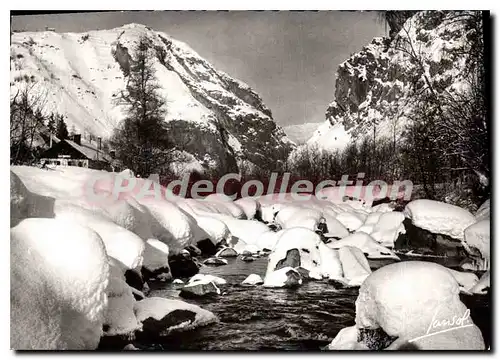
pixel 91 152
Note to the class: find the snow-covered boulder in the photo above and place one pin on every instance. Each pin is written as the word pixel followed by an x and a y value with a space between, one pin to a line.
pixel 230 207
pixel 175 227
pixel 268 239
pixel 416 301
pixel 249 206
pixel 335 227
pixel 364 242
pixel 156 260
pixel 207 278
pixel 24 203
pixel 483 285
pixel 268 211
pixel 178 282
pixel 477 243
pixel 302 247
pixel 284 277
pixel 354 265
pixel 350 220
pixel 161 317
pixel 210 228
pixel 120 319
pixel 121 244
pixel 199 288
pixel 465 280
pixel 253 279
pixel 483 212
pixel 388 228
pixel 347 339
pixel 215 261
pixel 439 217
pixel 226 252
pixel 59 274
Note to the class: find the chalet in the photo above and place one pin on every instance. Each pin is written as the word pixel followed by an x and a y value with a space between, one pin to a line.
pixel 74 152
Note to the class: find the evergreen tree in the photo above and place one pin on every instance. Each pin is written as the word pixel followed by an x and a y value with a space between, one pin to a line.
pixel 51 125
pixel 140 141
pixel 62 129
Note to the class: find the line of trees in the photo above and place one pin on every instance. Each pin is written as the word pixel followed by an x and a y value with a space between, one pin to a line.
pixel 446 139
pixel 30 127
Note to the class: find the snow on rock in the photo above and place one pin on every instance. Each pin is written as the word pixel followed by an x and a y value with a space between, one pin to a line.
pixel 309 252
pixel 350 220
pixel 202 286
pixel 175 227
pixel 208 227
pixel 268 211
pixel 249 206
pixel 268 239
pixel 483 212
pixel 120 243
pixel 120 317
pixel 477 238
pixel 24 203
pixel 465 280
pixel 291 215
pixel 215 261
pixel 483 285
pixel 284 277
pixel 253 279
pixel 156 258
pixel 364 242
pixel 59 274
pixel 439 217
pixel 412 299
pixel 347 339
pixel 382 208
pixel 335 227
pixel 225 201
pixel 207 278
pixel 354 265
pixel 246 230
pixel 226 252
pixel 160 316
pixel 177 281
pixel 388 228
pixel 127 173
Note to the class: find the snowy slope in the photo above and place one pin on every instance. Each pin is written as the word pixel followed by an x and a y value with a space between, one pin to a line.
pixel 375 86
pixel 300 133
pixel 80 75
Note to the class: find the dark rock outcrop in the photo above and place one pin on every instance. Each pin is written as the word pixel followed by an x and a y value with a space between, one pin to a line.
pixel 134 279
pixel 292 260
pixel 199 289
pixel 427 243
pixel 183 266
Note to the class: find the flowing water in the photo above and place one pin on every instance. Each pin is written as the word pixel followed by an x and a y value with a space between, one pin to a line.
pixel 258 318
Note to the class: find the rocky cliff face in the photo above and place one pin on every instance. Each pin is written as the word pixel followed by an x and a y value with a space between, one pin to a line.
pixel 219 121
pixel 376 87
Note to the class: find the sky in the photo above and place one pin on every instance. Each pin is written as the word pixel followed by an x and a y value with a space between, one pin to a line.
pixel 289 57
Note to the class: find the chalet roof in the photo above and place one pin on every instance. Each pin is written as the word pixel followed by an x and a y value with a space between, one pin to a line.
pixel 89 151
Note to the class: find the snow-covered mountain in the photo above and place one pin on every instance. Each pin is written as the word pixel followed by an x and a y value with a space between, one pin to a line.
pixel 219 120
pixel 376 87
pixel 300 133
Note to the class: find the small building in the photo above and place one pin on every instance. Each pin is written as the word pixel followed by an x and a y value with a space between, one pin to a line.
pixel 74 152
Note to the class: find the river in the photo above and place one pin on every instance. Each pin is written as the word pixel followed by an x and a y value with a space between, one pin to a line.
pixel 258 318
